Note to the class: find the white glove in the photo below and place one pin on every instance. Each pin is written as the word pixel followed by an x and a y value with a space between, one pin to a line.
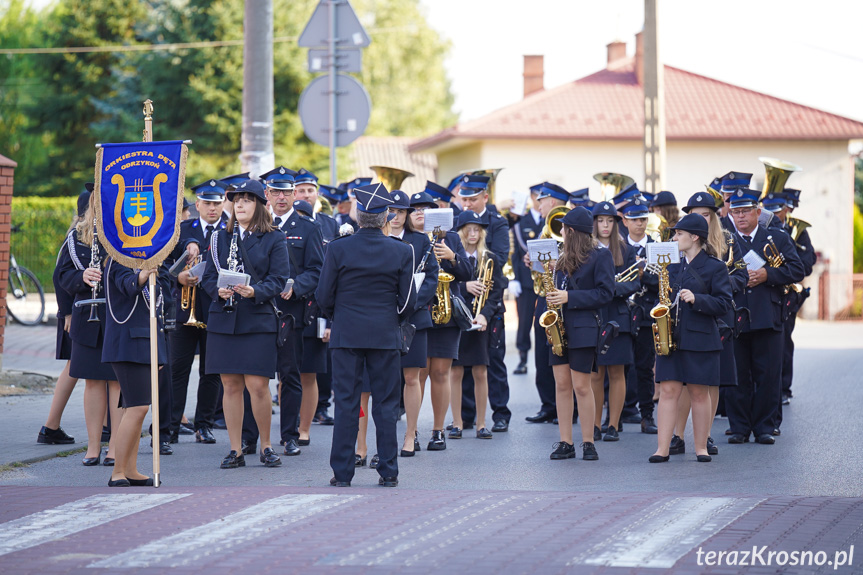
pixel 514 288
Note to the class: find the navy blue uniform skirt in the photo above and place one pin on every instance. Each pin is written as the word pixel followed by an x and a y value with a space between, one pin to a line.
pixel 581 359
pixel 64 342
pixel 695 367
pixel 135 384
pixel 620 352
pixel 443 342
pixel 727 365
pixel 246 353
pixel 314 356
pixel 472 349
pixel 557 359
pixel 87 363
pixel 418 354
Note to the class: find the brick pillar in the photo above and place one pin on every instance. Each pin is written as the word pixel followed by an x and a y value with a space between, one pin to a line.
pixel 7 172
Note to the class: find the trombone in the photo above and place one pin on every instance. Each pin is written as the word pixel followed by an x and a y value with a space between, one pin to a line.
pixel 187 298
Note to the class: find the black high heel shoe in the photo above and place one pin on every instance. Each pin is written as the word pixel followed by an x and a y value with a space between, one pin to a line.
pixel 417 441
pixel 659 458
pixel 141 482
pixel 359 461
pixel 91 461
pixel 703 458
pixel 119 483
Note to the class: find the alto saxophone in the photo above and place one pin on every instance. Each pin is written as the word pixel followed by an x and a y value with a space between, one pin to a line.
pixel 663 325
pixel 441 311
pixel 233 266
pixel 552 319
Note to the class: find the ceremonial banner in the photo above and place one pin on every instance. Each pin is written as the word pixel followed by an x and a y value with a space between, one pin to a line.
pixel 139 200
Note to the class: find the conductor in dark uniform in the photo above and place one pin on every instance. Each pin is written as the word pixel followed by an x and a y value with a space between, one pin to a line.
pixel 528 227
pixel 752 406
pixel 367 280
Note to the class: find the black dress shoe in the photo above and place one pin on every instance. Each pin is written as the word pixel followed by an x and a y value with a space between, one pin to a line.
pixel 737 438
pixel 611 434
pixel 249 448
pixel 232 461
pixel 141 482
pixel 765 439
pixel 186 429
pixel 563 450
pixel 269 458
pixel 106 434
pixel 108 462
pixel 374 462
pixel 776 432
pixel 541 417
pixel 204 435
pixel 165 448
pixel 323 418
pixel 291 447
pixel 483 433
pixel 455 433
pixel 336 483
pixel 54 436
pixel 388 481
pixel 91 461
pixel 359 461
pixel 220 424
pixel 729 432
pixel 438 441
pixel 677 447
pixel 786 398
pixel 604 427
pixel 417 441
pixel 711 447
pixel 648 425
pixel 174 438
pixel 119 483
pixel 588 451
pixel 703 458
pixel 634 418
pixel 521 369
pixel 303 442
pixel 597 434
pixel 658 459
pixel 500 426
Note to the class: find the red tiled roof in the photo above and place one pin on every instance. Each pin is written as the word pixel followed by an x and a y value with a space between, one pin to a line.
pixel 609 105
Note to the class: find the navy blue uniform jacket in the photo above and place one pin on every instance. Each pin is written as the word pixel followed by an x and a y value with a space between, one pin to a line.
pixel 269 256
pixel 421 317
pixel 191 232
pixel 306 254
pixel 366 281
pixel 618 309
pixel 696 328
pixel 589 289
pixel 73 261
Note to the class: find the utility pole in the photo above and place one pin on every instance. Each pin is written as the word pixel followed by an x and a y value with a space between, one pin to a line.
pixel 257 154
pixel 654 103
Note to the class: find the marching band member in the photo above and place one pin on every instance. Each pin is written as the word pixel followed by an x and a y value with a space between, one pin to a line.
pixel 528 227
pixel 727 185
pixel 473 194
pixel 584 282
pixel 704 292
pixel 127 349
pixel 187 339
pixel 474 347
pixel 757 349
pixel 81 265
pixel 665 205
pixel 366 280
pixel 606 231
pixel 443 339
pixel 242 339
pixel 417 359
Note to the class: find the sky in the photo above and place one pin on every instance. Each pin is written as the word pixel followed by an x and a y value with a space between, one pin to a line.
pixel 803 51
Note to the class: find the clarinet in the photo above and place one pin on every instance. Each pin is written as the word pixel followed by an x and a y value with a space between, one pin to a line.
pixel 230 306
pixel 95 262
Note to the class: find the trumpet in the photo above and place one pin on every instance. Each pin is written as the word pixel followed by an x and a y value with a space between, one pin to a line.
pixel 730 263
pixel 629 273
pixel 484 276
pixel 187 298
pixel 774 257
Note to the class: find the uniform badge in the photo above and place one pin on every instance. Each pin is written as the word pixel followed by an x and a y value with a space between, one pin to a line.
pixel 531 234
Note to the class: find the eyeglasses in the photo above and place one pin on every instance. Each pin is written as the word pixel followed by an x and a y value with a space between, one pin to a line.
pixel 276 193
pixel 420 210
pixel 740 211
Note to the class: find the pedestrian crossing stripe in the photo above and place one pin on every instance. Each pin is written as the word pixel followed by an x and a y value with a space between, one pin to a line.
pixel 74 517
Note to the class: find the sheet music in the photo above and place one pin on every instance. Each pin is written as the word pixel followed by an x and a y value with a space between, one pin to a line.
pixel 519 199
pixel 229 279
pixel 753 261
pixel 438 218
pixel 178 266
pixel 669 248
pixel 198 269
pixel 419 278
pixel 544 248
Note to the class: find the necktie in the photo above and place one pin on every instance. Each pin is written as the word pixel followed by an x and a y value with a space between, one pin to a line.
pixel 747 238
pixel 278 221
pixel 208 232
pixel 246 235
pixel 472 261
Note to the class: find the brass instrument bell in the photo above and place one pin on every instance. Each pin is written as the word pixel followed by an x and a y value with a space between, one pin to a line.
pixel 391 178
pixel 612 184
pixel 776 175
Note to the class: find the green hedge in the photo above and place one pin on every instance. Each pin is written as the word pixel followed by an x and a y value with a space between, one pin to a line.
pixel 43 222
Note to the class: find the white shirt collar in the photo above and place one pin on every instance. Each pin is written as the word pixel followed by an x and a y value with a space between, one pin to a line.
pixel 284 217
pixel 483 212
pixel 400 236
pixel 205 224
pixel 537 216
pixel 642 243
pixel 242 229
pixel 472 254
pixel 751 235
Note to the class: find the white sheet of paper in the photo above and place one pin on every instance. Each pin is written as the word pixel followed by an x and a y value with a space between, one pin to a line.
pixel 322 325
pixel 541 247
pixel 419 278
pixel 519 199
pixel 198 269
pixel 474 327
pixel 289 285
pixel 656 248
pixel 753 261
pixel 229 279
pixel 438 218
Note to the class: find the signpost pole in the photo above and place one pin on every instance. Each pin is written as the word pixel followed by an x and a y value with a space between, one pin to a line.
pixel 154 345
pixel 331 63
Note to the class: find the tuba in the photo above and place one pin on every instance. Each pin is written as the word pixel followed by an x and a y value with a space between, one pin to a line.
pixel 797 226
pixel 612 184
pixel 323 206
pixel 663 325
pixel 552 318
pixel 441 311
pixel 484 276
pixel 391 178
pixel 187 299
pixel 657 228
pixel 777 174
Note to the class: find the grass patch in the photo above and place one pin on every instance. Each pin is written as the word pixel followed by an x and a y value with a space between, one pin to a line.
pixel 71 452
pixel 11 466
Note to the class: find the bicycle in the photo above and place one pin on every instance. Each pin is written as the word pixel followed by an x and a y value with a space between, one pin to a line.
pixel 27 302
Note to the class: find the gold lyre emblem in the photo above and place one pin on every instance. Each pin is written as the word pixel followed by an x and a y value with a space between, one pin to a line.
pixel 144 204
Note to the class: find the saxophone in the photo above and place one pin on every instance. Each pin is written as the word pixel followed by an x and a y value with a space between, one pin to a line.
pixel 441 311
pixel 663 325
pixel 230 305
pixel 552 319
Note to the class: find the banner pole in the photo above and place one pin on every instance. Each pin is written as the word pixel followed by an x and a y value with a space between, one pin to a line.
pixel 154 345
